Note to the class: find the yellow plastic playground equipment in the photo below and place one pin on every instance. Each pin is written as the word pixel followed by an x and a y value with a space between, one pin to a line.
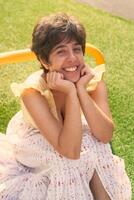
pixel 28 55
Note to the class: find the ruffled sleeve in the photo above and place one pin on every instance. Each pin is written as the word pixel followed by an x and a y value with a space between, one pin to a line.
pixel 33 81
pixel 98 70
pixel 36 81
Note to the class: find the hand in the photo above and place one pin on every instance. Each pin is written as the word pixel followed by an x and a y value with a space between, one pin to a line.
pixel 56 81
pixel 86 75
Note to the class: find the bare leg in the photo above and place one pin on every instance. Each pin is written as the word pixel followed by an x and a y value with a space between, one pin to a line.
pixel 97 188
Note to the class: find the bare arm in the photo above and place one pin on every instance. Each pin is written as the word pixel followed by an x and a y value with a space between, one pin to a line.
pixel 71 134
pixel 95 106
pixel 66 137
pixel 96 110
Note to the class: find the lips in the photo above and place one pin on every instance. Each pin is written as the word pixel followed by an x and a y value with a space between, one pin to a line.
pixel 71 69
pixel 72 73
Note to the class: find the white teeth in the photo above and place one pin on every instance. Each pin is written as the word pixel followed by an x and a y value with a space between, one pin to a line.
pixel 70 69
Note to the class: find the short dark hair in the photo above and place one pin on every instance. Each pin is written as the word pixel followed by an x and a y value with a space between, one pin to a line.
pixel 53 29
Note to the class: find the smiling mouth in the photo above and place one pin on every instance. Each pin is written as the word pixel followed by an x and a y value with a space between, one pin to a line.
pixel 71 69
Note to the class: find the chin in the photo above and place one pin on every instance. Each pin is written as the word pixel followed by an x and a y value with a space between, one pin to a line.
pixel 73 79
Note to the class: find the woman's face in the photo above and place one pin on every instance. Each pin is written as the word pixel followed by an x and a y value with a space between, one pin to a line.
pixel 67 58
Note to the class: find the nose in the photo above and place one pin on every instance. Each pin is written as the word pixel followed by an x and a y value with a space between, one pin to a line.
pixel 71 56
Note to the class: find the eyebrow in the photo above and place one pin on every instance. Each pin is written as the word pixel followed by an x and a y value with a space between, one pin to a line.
pixel 59 46
pixel 63 45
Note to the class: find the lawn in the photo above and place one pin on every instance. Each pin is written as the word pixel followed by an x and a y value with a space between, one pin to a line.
pixel 113 35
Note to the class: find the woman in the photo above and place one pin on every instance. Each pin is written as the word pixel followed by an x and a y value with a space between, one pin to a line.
pixel 59 141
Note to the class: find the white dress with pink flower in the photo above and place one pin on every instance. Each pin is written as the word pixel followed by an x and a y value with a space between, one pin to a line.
pixel 31 169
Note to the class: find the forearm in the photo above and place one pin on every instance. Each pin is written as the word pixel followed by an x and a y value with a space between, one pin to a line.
pixel 100 124
pixel 71 133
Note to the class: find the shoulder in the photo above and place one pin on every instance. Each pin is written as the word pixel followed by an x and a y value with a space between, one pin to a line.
pixel 35 76
pixel 34 103
pixel 100 90
pixel 98 76
pixel 34 81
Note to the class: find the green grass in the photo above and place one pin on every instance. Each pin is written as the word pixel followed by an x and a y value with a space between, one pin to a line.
pixel 113 35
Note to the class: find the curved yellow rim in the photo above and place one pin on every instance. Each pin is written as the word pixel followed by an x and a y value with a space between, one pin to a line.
pixel 28 55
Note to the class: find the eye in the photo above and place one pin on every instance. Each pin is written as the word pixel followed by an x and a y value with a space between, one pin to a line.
pixel 77 49
pixel 61 52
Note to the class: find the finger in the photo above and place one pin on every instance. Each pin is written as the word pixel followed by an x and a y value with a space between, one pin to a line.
pixel 83 71
pixel 47 77
pixel 88 70
pixel 92 72
pixel 50 79
pixel 61 75
pixel 57 76
pixel 53 76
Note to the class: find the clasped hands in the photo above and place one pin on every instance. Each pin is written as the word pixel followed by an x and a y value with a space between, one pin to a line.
pixel 55 80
